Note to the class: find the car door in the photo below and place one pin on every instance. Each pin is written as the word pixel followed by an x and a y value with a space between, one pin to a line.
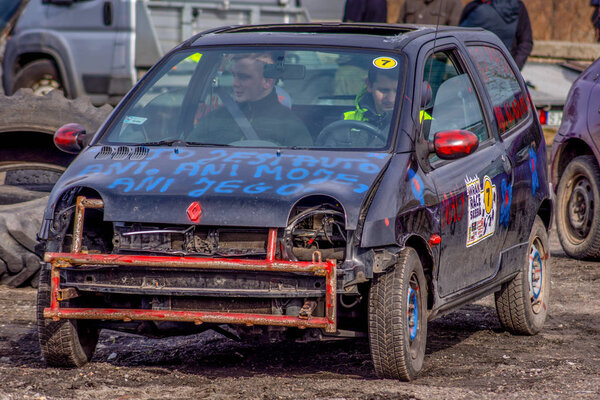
pixel 98 33
pixel 468 188
pixel 522 140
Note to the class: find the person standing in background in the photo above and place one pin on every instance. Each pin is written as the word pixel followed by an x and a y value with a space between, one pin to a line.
pixel 508 19
pixel 596 19
pixel 430 12
pixel 365 11
pixel 523 43
pixel 393 10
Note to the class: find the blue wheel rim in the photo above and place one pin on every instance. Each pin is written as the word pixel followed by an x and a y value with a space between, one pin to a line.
pixel 413 313
pixel 535 273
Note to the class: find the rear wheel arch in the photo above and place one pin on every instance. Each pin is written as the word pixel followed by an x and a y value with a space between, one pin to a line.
pixel 545 213
pixel 568 151
pixel 54 50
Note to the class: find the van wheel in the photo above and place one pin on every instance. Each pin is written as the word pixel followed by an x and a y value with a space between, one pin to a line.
pixel 65 343
pixel 40 75
pixel 578 208
pixel 398 318
pixel 522 303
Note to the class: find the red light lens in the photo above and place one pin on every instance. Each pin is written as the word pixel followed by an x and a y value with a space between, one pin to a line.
pixel 543 117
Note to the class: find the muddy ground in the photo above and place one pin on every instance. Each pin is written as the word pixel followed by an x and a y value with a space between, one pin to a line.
pixel 468 357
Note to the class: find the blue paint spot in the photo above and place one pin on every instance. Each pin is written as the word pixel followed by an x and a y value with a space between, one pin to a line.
pixel 289 189
pixel 361 188
pixel 416 184
pixel 506 199
pixel 535 183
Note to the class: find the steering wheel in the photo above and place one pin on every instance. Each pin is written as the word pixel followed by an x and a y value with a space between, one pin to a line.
pixel 349 124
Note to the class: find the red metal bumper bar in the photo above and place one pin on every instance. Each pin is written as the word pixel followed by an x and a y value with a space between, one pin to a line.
pixel 317 267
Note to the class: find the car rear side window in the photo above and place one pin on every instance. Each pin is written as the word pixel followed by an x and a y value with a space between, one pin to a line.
pixel 454 103
pixel 508 98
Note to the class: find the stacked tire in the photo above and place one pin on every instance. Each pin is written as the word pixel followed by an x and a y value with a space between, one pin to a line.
pixel 29 166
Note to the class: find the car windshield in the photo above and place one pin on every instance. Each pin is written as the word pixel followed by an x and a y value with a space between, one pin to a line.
pixel 264 97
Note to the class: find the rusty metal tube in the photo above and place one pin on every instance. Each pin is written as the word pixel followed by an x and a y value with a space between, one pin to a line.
pixel 81 204
pixel 271 244
pixel 66 260
pixel 187 316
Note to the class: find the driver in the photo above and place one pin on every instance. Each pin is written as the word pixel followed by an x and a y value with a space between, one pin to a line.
pixel 258 108
pixel 375 103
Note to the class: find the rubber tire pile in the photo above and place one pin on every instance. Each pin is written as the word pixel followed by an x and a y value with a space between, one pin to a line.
pixel 21 210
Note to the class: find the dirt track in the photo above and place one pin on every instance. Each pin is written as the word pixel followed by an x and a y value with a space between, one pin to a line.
pixel 468 356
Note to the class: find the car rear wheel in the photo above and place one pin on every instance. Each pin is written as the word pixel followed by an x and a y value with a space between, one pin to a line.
pixel 398 319
pixel 64 343
pixel 578 208
pixel 522 303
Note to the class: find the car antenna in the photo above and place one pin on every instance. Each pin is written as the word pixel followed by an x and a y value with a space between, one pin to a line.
pixel 437 28
pixel 428 73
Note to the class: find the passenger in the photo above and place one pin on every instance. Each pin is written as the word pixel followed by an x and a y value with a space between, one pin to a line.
pixel 255 112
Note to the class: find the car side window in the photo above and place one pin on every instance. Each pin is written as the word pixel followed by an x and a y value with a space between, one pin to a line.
pixel 454 103
pixel 507 97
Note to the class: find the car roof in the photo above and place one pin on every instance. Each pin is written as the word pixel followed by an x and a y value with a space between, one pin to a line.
pixel 374 36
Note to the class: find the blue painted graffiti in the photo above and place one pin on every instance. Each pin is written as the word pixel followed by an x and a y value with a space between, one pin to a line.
pixel 223 172
pixel 506 198
pixel 416 184
pixel 535 183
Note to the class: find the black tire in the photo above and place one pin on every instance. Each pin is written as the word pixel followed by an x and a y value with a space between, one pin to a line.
pixel 30 166
pixel 578 208
pixel 522 303
pixel 41 76
pixel 398 342
pixel 66 343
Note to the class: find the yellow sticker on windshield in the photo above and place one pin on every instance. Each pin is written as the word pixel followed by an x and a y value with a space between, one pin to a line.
pixel 385 62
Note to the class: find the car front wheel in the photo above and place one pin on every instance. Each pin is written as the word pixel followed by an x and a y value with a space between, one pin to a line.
pixel 522 303
pixel 398 318
pixel 578 208
pixel 64 343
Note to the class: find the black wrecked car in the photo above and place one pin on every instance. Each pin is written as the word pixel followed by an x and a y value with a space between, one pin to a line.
pixel 302 182
pixel 575 168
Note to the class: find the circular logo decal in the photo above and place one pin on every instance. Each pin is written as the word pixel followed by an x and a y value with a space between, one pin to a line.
pixel 488 195
pixel 385 62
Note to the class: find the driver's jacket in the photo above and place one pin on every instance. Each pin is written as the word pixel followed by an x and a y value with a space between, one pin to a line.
pixel 365 111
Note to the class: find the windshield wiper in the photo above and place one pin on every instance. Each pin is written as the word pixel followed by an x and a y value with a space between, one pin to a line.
pixel 173 142
pixel 203 144
pixel 170 142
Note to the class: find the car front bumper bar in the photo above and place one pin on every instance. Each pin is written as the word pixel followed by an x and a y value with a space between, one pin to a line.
pixel 76 258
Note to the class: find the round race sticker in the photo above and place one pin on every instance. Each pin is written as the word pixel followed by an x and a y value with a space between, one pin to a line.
pixel 385 62
pixel 488 195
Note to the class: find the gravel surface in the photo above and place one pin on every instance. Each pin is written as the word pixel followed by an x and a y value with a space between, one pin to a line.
pixel 468 357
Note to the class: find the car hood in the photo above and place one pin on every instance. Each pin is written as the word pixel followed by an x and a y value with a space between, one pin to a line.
pixel 232 186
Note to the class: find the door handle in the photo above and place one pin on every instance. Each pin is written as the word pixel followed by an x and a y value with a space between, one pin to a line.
pixel 507 164
pixel 107 13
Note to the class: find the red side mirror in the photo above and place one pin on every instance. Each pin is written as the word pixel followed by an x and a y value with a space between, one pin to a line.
pixel 70 138
pixel 450 145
